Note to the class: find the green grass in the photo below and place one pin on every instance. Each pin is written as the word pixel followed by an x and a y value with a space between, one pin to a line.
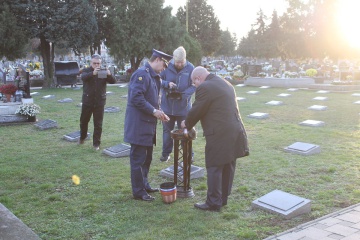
pixel 36 168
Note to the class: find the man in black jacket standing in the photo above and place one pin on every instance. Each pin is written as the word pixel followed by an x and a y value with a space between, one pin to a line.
pixel 94 80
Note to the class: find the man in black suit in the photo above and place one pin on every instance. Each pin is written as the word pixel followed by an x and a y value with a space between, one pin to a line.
pixel 216 108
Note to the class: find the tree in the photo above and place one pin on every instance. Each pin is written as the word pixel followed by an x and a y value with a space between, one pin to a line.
pixel 193 49
pixel 69 23
pixel 137 27
pixel 227 44
pixel 14 40
pixel 273 36
pixel 203 24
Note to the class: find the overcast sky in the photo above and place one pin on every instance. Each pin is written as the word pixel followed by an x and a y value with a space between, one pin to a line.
pixel 237 15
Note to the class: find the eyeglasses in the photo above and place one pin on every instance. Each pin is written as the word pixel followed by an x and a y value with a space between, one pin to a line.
pixel 166 63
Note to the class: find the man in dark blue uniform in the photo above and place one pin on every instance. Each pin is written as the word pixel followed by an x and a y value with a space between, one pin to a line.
pixel 142 113
pixel 94 99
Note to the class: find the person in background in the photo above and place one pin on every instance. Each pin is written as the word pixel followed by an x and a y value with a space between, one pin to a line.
pixel 94 99
pixel 216 107
pixel 142 113
pixel 176 93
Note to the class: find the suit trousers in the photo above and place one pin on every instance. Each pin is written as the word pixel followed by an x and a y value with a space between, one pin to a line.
pixel 98 115
pixel 219 181
pixel 140 160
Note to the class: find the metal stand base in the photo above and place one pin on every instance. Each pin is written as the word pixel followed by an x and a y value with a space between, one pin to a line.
pixel 181 193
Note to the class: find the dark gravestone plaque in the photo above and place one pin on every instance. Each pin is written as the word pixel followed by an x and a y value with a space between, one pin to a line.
pixel 46 124
pixel 303 148
pixel 74 136
pixel 195 172
pixel 120 150
pixel 112 109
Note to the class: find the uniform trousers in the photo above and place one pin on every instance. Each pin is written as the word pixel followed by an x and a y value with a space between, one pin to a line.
pixel 98 115
pixel 140 160
pixel 219 182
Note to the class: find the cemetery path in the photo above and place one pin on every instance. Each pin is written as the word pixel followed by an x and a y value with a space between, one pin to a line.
pixel 343 224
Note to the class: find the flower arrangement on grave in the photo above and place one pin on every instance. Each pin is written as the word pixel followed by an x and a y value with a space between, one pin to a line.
pixel 8 89
pixel 311 72
pixel 349 77
pixel 28 109
pixel 37 66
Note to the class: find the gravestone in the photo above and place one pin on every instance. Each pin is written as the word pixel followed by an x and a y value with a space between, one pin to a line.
pixel 240 85
pixel 34 94
pixel 312 123
pixel 109 93
pixel 356 94
pixel 120 150
pixel 284 95
pixel 65 100
pixel 241 99
pixel 48 97
pixel 122 85
pixel 357 102
pixel 75 136
pixel 320 98
pixel 264 87
pixel 111 109
pixel 76 88
pixel 274 103
pixel 293 89
pixel 322 91
pixel 79 105
pixel 303 148
pixel 124 96
pixel 253 92
pixel 318 107
pixel 195 172
pixel 285 204
pixel 259 115
pixel 46 124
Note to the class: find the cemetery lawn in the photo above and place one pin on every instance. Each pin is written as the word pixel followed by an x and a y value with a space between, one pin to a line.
pixel 36 169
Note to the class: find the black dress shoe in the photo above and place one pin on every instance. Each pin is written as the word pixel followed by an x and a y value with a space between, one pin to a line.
pixel 145 198
pixel 152 190
pixel 206 207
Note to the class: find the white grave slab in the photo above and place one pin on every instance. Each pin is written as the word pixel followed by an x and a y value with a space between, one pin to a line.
pixel 259 115
pixel 123 85
pixel 240 85
pixel 284 95
pixel 124 96
pixel 322 91
pixel 109 93
pixel 293 89
pixel 195 172
pixel 65 100
pixel 117 151
pixel 285 204
pixel 34 94
pixel 75 136
pixel 357 102
pixel 79 105
pixel 241 99
pixel 356 94
pixel 317 107
pixel 274 103
pixel 312 123
pixel 111 109
pixel 265 87
pixel 303 148
pixel 48 96
pixel 320 98
pixel 253 92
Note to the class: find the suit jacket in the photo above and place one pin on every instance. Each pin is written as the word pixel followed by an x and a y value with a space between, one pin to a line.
pixel 217 109
pixel 94 88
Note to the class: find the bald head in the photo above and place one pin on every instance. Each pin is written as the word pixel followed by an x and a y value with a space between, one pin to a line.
pixel 199 75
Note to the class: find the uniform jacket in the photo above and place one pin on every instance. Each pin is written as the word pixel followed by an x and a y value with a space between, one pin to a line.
pixel 182 79
pixel 216 107
pixel 143 97
pixel 94 88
